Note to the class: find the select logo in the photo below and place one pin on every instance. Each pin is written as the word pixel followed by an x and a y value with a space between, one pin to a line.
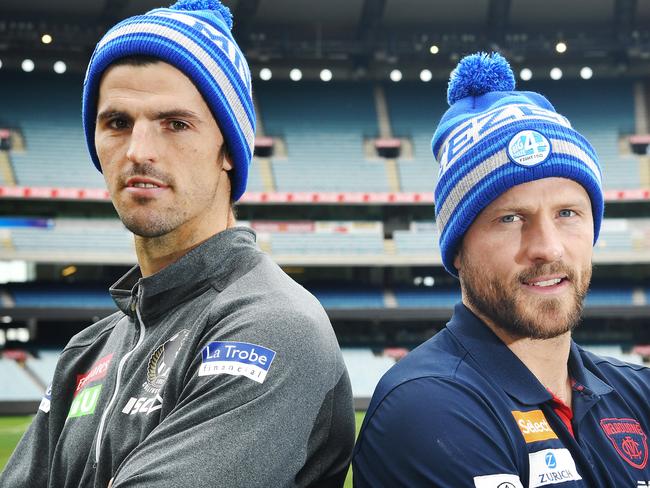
pixel 533 426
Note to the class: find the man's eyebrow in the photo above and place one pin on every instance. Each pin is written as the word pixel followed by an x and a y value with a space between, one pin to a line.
pixel 110 114
pixel 161 115
pixel 522 209
pixel 176 114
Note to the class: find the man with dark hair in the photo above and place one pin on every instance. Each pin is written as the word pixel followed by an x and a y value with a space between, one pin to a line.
pixel 502 397
pixel 218 369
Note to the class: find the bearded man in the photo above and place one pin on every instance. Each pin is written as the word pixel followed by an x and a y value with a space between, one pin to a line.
pixel 502 397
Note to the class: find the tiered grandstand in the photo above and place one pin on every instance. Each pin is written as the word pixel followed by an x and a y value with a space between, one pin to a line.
pixel 341 190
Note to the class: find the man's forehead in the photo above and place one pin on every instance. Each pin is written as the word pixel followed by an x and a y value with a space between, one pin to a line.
pixel 545 191
pixel 158 86
pixel 149 79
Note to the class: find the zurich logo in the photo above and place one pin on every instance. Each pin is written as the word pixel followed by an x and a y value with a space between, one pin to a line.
pixel 529 148
pixel 551 463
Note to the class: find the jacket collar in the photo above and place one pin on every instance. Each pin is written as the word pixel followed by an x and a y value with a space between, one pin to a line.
pixel 506 369
pixel 216 262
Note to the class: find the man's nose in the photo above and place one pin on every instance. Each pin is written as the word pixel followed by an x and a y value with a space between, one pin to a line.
pixel 544 242
pixel 142 145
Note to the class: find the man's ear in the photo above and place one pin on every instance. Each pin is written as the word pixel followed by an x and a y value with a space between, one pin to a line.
pixel 458 259
pixel 227 165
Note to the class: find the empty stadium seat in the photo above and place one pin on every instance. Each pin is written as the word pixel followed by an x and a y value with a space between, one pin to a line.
pixel 365 370
pixel 48 114
pixel 415 110
pixel 323 126
pixel 15 383
pixel 43 366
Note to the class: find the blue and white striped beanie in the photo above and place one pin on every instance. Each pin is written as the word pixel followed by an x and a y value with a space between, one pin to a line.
pixel 493 138
pixel 194 36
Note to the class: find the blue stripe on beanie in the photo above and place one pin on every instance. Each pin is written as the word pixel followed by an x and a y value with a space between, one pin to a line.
pixel 472 141
pixel 193 36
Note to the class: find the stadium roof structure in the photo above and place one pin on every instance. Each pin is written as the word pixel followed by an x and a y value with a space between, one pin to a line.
pixel 365 39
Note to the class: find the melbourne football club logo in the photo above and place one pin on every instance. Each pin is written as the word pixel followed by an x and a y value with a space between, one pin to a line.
pixel 161 361
pixel 529 148
pixel 629 440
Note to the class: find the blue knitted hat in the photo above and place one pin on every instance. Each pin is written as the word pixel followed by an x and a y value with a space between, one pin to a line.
pixel 194 36
pixel 493 138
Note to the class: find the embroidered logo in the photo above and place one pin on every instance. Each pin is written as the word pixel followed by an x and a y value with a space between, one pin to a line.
pixel 86 397
pixel 628 439
pixel 161 360
pixel 236 359
pixel 45 401
pixel 85 402
pixel 97 372
pixel 533 426
pixel 158 368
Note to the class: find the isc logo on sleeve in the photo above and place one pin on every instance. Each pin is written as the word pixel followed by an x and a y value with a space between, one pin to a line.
pixel 533 425
pixel 236 359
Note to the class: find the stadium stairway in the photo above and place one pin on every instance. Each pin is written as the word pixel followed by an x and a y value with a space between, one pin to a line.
pixel 7 177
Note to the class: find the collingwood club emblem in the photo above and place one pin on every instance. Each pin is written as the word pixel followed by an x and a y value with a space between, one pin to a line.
pixel 161 361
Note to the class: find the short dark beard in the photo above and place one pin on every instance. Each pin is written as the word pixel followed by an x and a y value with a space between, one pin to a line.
pixel 500 302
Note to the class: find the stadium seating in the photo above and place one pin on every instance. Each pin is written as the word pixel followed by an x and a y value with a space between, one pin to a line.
pixel 326 244
pixel 58 295
pixel 15 383
pixel 602 110
pixel 365 369
pixel 427 297
pixel 323 126
pixel 415 110
pixel 410 242
pixel 74 239
pixel 255 182
pixel 48 115
pixel 610 296
pixel 83 240
pixel 43 366
pixel 347 297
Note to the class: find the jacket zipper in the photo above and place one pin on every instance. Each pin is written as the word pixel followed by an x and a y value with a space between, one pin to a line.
pixel 119 375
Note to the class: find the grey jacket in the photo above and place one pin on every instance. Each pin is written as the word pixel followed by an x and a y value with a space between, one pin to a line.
pixel 218 371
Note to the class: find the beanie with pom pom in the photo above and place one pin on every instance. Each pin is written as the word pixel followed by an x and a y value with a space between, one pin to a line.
pixel 193 36
pixel 493 138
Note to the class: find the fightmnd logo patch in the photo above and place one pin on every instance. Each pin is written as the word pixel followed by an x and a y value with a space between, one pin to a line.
pixel 529 148
pixel 236 359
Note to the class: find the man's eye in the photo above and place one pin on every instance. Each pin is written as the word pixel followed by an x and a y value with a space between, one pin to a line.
pixel 118 124
pixel 510 218
pixel 567 213
pixel 178 125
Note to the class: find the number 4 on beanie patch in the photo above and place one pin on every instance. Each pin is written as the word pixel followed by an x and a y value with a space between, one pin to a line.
pixel 529 148
pixel 236 359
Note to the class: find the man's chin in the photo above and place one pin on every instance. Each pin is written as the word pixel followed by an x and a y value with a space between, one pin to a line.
pixel 546 322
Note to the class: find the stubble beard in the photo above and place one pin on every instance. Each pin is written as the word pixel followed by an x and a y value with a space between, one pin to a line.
pixel 519 314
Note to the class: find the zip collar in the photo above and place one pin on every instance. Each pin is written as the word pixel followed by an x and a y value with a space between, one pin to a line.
pixel 216 262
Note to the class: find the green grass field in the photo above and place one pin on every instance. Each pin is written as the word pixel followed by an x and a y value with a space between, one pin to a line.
pixel 12 428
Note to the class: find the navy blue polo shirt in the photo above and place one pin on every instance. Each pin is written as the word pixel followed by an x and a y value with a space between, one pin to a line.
pixel 462 410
